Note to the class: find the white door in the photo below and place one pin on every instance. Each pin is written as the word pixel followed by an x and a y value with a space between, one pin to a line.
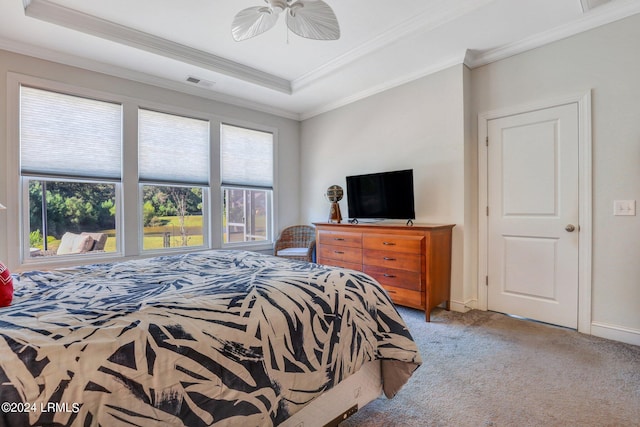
pixel 533 211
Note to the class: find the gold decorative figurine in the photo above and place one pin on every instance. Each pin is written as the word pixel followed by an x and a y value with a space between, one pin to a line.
pixel 334 195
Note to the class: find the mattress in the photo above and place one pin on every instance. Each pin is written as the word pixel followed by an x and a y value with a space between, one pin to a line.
pixel 341 401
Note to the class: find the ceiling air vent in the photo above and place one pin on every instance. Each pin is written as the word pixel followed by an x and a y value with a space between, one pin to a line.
pixel 200 82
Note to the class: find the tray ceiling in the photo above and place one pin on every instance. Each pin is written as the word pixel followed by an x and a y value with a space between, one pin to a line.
pixel 187 45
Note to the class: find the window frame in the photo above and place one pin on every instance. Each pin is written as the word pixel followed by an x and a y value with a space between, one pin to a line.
pixel 25 220
pixel 205 219
pixel 269 221
pixel 206 189
pixel 272 224
pixel 21 224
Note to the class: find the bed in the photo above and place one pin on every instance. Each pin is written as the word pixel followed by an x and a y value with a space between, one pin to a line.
pixel 208 338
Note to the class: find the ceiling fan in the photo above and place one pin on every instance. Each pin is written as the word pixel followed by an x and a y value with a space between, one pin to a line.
pixel 311 19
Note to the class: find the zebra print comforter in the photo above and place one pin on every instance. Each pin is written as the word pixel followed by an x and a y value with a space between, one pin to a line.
pixel 209 338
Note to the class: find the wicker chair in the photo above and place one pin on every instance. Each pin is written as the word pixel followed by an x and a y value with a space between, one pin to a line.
pixel 296 242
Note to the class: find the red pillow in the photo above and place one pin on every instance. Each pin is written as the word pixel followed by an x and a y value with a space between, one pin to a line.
pixel 6 286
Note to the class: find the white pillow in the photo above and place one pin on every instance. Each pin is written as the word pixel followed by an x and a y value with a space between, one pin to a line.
pixel 74 244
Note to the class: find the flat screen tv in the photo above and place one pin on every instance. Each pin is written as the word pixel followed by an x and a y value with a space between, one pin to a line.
pixel 384 195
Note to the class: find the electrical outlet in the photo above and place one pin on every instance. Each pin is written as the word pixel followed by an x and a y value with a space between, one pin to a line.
pixel 624 207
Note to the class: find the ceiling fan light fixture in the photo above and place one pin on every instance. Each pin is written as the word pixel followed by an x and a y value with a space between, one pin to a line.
pixel 253 21
pixel 277 6
pixel 311 19
pixel 294 7
pixel 314 20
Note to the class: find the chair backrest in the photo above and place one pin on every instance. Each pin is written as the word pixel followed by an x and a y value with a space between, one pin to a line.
pixel 297 235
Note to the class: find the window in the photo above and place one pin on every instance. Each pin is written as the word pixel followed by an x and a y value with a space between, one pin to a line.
pixel 246 215
pixel 173 158
pixel 247 184
pixel 81 192
pixel 70 167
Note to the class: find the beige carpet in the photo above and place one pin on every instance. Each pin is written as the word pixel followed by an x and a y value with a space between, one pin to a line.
pixel 488 369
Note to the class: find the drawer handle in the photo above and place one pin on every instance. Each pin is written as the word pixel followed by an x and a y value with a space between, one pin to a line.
pixel 340 239
pixel 391 276
pixel 390 292
pixel 338 252
pixel 389 259
pixel 388 243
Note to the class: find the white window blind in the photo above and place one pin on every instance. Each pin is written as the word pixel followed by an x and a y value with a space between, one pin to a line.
pixel 247 157
pixel 69 136
pixel 172 149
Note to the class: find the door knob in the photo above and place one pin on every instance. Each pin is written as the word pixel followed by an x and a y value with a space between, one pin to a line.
pixel 570 228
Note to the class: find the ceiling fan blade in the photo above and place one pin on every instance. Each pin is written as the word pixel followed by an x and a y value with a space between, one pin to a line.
pixel 252 22
pixel 313 20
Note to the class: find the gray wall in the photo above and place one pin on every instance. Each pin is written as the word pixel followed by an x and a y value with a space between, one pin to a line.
pixel 419 125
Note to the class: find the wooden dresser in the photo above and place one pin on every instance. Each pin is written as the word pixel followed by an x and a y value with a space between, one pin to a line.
pixel 413 263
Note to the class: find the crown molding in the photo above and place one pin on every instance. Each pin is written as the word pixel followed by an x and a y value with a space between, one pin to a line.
pixel 140 77
pixel 425 21
pixel 50 12
pixel 603 15
pixel 47 11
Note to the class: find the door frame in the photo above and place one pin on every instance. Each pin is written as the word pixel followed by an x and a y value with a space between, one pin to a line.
pixel 585 195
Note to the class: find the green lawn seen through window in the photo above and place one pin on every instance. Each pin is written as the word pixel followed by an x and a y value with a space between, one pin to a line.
pixel 154 236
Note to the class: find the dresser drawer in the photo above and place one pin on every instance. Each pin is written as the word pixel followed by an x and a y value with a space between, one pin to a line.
pixel 395 243
pixel 339 263
pixel 406 297
pixel 340 238
pixel 399 260
pixel 397 278
pixel 339 253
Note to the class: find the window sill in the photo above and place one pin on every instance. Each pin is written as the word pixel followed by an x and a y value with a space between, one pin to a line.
pixel 257 247
pixel 61 261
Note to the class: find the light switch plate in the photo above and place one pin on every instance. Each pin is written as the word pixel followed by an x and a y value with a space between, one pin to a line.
pixel 624 207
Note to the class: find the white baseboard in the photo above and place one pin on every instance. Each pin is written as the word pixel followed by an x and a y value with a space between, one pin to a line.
pixel 461 306
pixel 616 333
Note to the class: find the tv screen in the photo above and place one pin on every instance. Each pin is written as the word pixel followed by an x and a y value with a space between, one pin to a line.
pixel 385 195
